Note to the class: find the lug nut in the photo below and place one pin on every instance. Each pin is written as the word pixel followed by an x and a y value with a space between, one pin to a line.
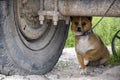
pixel 41 22
pixel 55 23
pixel 41 18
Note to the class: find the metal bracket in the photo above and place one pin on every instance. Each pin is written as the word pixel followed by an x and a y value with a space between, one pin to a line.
pixel 48 14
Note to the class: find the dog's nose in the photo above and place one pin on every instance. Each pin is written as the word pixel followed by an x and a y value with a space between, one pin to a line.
pixel 78 29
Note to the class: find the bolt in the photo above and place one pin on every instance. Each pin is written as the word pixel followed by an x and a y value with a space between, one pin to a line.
pixel 41 18
pixel 55 23
pixel 55 19
pixel 67 20
pixel 41 22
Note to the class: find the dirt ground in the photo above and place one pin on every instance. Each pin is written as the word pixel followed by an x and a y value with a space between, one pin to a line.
pixel 67 68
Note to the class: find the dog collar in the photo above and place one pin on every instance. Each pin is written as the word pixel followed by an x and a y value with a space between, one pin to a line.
pixel 86 32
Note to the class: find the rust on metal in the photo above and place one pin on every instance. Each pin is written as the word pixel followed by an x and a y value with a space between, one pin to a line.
pixel 88 7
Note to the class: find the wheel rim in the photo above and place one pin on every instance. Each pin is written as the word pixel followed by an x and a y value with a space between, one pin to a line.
pixel 33 35
pixel 115 46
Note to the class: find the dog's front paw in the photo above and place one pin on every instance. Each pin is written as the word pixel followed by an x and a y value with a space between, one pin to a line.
pixel 84 72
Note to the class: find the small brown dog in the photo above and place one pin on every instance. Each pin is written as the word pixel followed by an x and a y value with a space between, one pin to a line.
pixel 89 47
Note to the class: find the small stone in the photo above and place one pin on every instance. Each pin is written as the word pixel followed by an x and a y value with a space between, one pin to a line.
pixel 36 77
pixel 2 76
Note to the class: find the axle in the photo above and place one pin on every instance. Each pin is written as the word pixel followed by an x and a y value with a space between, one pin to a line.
pixel 60 9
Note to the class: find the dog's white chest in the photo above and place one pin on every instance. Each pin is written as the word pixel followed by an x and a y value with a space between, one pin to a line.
pixel 84 45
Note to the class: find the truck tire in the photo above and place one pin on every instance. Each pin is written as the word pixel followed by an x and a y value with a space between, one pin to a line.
pixel 21 51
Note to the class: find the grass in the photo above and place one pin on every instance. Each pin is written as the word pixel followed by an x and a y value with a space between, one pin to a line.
pixel 63 64
pixel 113 60
pixel 105 29
pixel 70 39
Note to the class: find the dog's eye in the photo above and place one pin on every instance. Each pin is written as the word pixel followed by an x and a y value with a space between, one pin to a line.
pixel 83 24
pixel 76 23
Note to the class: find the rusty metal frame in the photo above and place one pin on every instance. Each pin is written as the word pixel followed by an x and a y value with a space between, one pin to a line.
pixel 62 9
pixel 88 7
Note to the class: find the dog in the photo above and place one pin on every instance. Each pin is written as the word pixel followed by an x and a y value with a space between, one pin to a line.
pixel 89 48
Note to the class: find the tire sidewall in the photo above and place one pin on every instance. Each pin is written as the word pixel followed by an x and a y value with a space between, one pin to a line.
pixel 31 62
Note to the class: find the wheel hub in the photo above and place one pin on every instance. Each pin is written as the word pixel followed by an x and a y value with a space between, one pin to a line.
pixel 33 35
pixel 28 19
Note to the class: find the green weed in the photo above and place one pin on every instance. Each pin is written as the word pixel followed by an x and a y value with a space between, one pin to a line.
pixel 63 64
pixel 107 28
pixel 113 60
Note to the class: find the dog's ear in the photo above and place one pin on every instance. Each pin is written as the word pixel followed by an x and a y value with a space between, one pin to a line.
pixel 90 18
pixel 74 18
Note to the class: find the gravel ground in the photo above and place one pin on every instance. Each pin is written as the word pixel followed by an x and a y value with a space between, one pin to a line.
pixel 67 68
